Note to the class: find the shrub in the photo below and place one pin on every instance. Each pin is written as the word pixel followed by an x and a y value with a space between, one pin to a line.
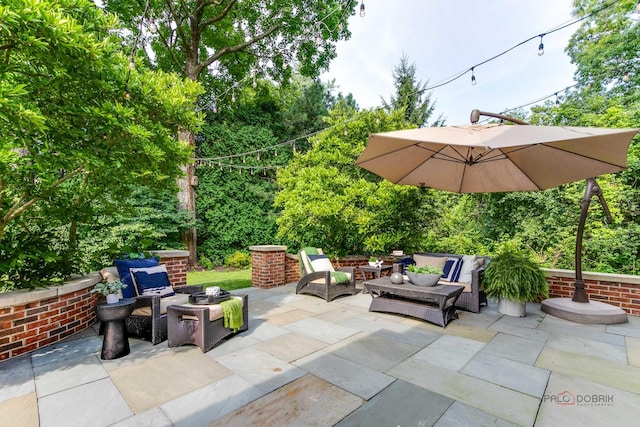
pixel 238 259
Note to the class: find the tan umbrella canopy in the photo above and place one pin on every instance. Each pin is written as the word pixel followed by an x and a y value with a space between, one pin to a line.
pixel 495 157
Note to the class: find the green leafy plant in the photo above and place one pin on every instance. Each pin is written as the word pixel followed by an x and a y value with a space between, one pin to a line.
pixel 373 259
pixel 512 274
pixel 106 288
pixel 424 270
pixel 239 259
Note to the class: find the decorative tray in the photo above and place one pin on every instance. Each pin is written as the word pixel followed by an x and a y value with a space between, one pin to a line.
pixel 200 298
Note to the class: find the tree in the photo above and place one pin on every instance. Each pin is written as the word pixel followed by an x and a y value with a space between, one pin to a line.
pixel 329 202
pixel 223 43
pixel 262 122
pixel 411 96
pixel 76 122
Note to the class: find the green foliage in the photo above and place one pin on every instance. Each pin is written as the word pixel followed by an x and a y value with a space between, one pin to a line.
pixel 106 288
pixel 427 269
pixel 327 201
pixel 235 203
pixel 512 274
pixel 411 96
pixel 238 259
pixel 80 131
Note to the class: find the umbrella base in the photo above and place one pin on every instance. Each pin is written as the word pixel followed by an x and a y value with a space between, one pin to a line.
pixel 593 312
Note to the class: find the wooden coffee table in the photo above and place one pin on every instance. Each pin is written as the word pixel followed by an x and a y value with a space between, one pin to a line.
pixel 435 304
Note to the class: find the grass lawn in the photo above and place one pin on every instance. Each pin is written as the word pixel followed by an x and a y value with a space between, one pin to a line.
pixel 228 280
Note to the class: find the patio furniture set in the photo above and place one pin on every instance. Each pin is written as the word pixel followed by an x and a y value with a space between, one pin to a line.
pixel 156 317
pixel 155 311
pixel 459 288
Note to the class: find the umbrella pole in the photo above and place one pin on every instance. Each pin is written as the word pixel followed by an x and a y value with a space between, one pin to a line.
pixel 592 189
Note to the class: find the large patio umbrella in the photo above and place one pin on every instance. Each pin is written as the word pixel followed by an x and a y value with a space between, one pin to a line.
pixel 501 158
pixel 495 157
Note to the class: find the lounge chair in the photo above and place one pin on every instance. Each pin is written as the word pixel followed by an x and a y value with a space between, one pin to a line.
pixel 319 278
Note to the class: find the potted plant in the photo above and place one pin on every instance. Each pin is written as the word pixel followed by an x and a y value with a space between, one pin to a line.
pixel 514 278
pixel 374 262
pixel 110 290
pixel 423 276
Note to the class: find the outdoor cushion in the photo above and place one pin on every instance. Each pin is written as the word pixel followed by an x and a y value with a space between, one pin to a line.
pixel 451 268
pixel 152 281
pixel 333 279
pixel 468 264
pixel 215 310
pixel 431 261
pixel 320 263
pixel 176 299
pixel 123 266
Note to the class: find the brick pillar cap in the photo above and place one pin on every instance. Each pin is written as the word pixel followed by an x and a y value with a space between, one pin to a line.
pixel 267 248
pixel 171 253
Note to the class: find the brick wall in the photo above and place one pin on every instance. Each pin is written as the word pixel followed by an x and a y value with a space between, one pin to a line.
pixel 30 320
pixel 616 289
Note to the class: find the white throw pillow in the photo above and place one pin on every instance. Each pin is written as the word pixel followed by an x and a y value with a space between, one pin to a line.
pixel 321 264
pixel 468 264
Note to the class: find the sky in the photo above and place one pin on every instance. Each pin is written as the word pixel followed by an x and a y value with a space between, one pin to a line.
pixel 446 37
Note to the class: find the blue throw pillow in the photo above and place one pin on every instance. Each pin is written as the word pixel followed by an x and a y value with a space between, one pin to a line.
pixel 152 281
pixel 457 270
pixel 123 266
pixel 451 270
pixel 447 267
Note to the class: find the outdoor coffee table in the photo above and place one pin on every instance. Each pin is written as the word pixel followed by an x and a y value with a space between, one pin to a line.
pixel 435 304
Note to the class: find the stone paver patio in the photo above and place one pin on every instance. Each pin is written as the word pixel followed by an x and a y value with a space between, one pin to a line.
pixel 307 362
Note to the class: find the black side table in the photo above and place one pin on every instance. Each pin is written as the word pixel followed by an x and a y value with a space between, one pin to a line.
pixel 115 343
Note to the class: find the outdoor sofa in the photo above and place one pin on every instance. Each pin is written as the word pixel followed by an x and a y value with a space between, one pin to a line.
pixel 463 270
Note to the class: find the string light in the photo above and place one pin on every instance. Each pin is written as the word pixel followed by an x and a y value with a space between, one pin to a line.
pixel 625 77
pixel 541 46
pixel 153 28
pixel 450 80
pixel 557 102
pixel 362 12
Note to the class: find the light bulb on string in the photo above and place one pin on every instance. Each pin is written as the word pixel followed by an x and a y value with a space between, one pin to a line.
pixel 294 148
pixel 276 153
pixel 127 95
pixel 255 83
pixel 557 102
pixel 345 130
pixel 625 77
pixel 362 12
pixel 244 159
pixel 233 96
pixel 153 28
pixel 473 77
pixel 541 47
pixel 258 155
pixel 132 64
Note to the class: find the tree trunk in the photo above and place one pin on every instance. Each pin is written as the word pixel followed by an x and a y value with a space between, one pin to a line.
pixel 187 199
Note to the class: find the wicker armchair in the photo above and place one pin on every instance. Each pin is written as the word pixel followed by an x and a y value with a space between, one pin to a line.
pixel 321 283
pixel 149 318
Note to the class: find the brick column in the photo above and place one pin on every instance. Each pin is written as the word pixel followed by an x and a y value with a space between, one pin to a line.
pixel 268 265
